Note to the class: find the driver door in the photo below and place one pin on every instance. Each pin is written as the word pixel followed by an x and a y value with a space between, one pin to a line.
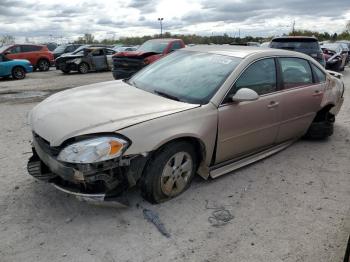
pixel 99 60
pixel 246 127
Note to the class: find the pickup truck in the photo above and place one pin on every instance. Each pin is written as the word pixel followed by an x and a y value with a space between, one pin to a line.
pixel 127 63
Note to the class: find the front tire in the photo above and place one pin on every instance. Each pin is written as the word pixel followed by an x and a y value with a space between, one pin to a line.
pixel 169 172
pixel 43 65
pixel 83 68
pixel 18 73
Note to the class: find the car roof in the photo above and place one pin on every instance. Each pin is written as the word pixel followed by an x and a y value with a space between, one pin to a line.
pixel 242 51
pixel 165 39
pixel 295 37
pixel 31 45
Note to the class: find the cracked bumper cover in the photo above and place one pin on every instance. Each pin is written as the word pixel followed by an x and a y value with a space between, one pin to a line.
pixel 118 175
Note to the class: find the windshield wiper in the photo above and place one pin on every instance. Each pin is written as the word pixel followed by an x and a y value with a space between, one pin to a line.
pixel 161 93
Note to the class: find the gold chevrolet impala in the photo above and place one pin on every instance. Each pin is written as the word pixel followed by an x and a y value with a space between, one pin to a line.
pixel 205 110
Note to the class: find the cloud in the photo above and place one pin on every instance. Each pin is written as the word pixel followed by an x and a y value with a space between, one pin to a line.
pixel 144 6
pixel 39 19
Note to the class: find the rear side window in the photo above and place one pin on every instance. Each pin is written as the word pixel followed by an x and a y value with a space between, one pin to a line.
pixel 320 76
pixel 260 77
pixel 30 48
pixel 98 52
pixel 175 46
pixel 295 72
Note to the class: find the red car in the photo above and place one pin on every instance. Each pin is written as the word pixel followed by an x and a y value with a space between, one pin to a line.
pixel 127 63
pixel 38 55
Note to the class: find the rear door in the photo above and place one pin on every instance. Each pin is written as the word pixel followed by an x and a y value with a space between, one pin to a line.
pixel 301 97
pixel 31 53
pixel 99 59
pixel 246 127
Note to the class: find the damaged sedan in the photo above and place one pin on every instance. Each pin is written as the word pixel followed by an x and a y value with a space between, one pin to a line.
pixel 86 59
pixel 205 110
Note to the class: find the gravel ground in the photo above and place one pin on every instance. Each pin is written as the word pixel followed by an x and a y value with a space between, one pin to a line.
pixel 53 80
pixel 293 206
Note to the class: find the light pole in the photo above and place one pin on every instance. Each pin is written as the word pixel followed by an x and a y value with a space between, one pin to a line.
pixel 161 26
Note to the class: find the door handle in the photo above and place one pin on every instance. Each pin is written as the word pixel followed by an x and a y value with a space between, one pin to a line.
pixel 273 104
pixel 317 93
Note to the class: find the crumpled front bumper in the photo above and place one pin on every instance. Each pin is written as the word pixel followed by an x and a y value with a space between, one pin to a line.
pixel 69 179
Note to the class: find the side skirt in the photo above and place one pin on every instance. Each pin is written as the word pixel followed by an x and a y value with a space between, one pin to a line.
pixel 232 165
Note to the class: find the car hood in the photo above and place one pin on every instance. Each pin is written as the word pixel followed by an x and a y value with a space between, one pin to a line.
pixel 22 61
pixel 96 108
pixel 65 57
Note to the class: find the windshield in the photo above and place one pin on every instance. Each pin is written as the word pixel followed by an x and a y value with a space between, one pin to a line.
pixel 191 77
pixel 3 48
pixel 59 49
pixel 310 45
pixel 153 46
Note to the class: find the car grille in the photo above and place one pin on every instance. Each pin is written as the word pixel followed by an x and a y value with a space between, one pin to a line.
pixel 128 63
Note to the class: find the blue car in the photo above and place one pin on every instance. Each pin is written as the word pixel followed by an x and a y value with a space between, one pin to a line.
pixel 17 68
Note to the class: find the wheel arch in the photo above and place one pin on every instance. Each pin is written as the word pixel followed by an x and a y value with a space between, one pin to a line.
pixel 322 113
pixel 196 142
pixel 21 66
pixel 42 58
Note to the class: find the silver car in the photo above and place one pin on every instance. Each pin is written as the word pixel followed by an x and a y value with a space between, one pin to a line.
pixel 204 110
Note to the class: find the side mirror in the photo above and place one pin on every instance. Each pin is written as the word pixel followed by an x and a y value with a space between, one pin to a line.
pixel 245 94
pixel 7 53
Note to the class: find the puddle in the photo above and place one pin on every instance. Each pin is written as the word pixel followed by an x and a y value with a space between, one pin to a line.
pixel 24 95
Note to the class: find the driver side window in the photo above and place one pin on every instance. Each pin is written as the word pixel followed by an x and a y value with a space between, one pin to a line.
pixel 15 50
pixel 260 77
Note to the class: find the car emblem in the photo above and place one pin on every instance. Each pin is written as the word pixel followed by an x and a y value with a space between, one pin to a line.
pixel 125 64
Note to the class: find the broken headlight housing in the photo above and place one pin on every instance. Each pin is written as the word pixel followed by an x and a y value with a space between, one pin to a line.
pixel 93 150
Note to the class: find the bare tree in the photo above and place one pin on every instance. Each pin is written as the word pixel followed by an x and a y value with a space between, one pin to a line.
pixel 347 27
pixel 7 40
pixel 89 38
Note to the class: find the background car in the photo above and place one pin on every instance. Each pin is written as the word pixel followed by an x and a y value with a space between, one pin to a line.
pixel 253 44
pixel 336 56
pixel 265 44
pixel 125 48
pixel 127 63
pixel 346 46
pixel 86 59
pixel 302 44
pixel 16 68
pixel 66 48
pixel 51 46
pixel 38 55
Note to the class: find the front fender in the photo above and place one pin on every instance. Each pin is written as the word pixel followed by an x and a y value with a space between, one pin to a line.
pixel 199 123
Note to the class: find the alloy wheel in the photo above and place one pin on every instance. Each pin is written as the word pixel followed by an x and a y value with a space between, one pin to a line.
pixel 176 173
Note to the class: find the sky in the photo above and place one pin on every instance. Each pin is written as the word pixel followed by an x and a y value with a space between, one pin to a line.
pixel 66 20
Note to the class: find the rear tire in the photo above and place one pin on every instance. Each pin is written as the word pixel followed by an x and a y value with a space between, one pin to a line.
pixel 18 73
pixel 83 68
pixel 321 129
pixel 169 172
pixel 43 65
